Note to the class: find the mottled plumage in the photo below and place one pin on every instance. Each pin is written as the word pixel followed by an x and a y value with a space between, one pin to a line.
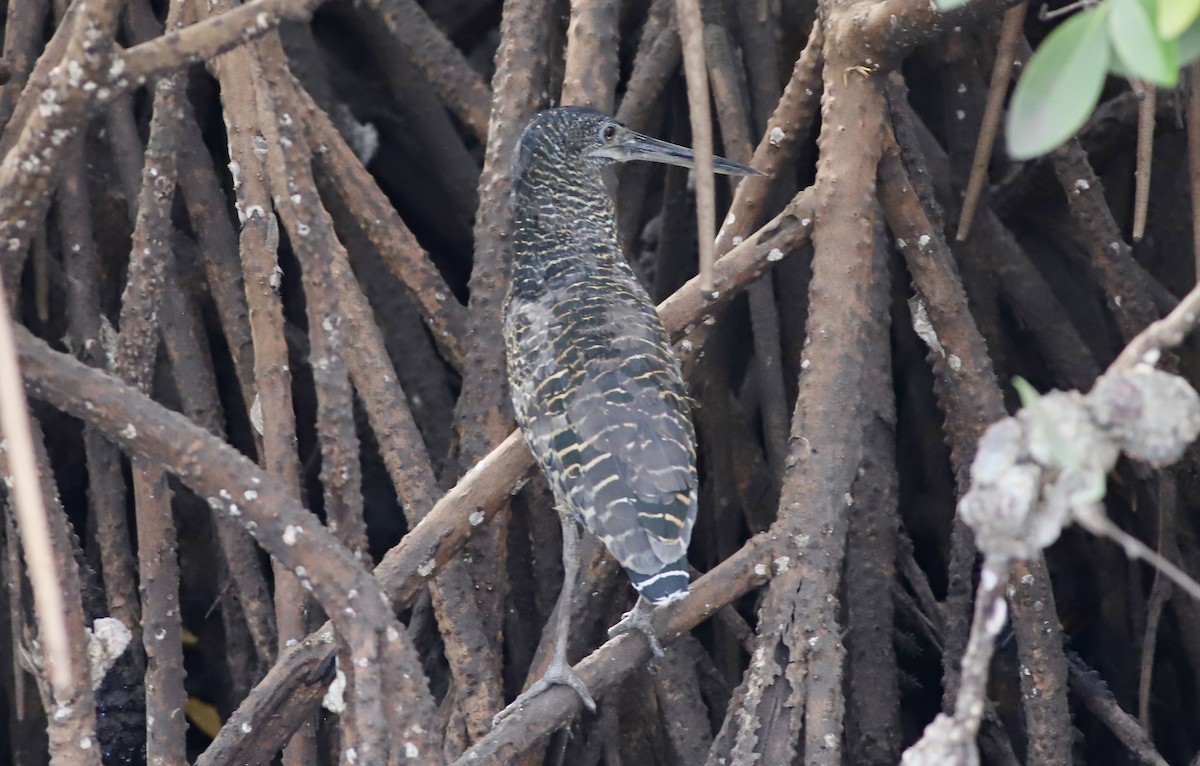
pixel 596 388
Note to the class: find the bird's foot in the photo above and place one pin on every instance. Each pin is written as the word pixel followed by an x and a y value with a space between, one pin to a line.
pixel 639 619
pixel 558 674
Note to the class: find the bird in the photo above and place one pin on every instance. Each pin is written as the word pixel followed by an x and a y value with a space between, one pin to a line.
pixel 596 389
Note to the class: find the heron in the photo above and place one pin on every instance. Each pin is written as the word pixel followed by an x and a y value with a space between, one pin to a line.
pixel 596 388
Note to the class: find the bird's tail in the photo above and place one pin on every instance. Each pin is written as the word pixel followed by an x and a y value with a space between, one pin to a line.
pixel 668 584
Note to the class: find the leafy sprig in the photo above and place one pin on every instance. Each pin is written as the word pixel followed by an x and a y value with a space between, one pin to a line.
pixel 1150 40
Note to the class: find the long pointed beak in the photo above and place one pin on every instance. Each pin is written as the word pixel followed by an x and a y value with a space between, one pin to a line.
pixel 635 146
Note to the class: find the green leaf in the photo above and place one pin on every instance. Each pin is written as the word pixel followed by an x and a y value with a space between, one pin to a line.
pixel 1188 44
pixel 1175 16
pixel 1136 41
pixel 1060 86
pixel 949 5
pixel 1117 69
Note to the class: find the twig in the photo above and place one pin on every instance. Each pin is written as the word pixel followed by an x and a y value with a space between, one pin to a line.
pixel 797 706
pixel 621 656
pixel 1135 549
pixel 677 689
pixel 1034 302
pixel 310 232
pixel 191 368
pixel 73 726
pixel 1002 68
pixel 740 266
pixel 1164 334
pixel 1027 291
pixel 1147 98
pixel 239 75
pixel 205 40
pixel 30 509
pixel 158 567
pixel 928 614
pixel 302 666
pixel 134 362
pixel 1193 143
pixel 258 243
pixel 1043 680
pixel 966 383
pixel 1047 14
pixel 951 739
pixel 960 396
pixel 691 32
pixel 209 217
pixel 1160 594
pixel 657 59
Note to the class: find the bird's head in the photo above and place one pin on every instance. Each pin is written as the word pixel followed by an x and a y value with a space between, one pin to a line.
pixel 573 139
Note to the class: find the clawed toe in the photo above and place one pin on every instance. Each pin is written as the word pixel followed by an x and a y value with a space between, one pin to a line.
pixel 554 677
pixel 638 619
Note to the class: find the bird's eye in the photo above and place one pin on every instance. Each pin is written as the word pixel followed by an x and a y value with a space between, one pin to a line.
pixel 608 132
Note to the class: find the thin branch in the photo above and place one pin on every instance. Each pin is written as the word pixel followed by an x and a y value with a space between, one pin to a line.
pixel 203 41
pixel 30 509
pixel 1002 70
pixel 1164 334
pixel 1160 594
pixel 134 362
pixel 1193 143
pixel 1147 98
pixel 1100 525
pixel 951 738
pixel 691 31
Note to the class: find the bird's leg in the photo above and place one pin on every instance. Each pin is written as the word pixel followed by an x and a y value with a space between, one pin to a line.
pixel 639 619
pixel 559 671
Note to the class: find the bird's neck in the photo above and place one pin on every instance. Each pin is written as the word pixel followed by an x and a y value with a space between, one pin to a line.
pixel 564 229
